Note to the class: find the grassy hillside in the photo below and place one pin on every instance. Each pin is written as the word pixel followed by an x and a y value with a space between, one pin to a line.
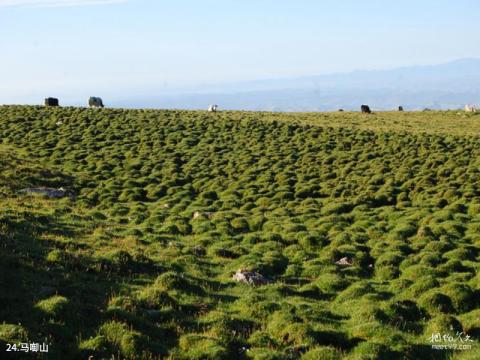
pixel 165 206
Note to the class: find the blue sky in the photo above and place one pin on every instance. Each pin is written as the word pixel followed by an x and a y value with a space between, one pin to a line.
pixel 75 48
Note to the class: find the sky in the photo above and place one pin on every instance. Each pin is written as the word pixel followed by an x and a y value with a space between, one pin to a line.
pixel 77 48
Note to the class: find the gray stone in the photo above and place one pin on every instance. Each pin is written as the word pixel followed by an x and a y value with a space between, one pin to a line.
pixel 250 277
pixel 344 262
pixel 45 191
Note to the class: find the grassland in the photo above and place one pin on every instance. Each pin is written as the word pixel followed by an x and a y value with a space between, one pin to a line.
pixel 167 205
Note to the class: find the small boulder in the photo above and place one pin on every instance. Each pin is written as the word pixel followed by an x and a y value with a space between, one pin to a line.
pixel 345 261
pixel 51 193
pixel 198 214
pixel 250 277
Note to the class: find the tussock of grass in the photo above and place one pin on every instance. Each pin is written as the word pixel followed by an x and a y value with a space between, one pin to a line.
pixel 54 307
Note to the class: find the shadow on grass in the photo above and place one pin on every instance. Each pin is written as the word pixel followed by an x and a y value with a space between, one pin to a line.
pixel 26 278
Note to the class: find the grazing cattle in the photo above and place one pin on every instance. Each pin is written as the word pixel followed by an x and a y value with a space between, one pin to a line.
pixel 51 101
pixel 213 108
pixel 95 102
pixel 470 108
pixel 366 109
pixel 400 108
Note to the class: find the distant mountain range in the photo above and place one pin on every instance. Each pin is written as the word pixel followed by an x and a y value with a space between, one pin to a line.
pixel 445 86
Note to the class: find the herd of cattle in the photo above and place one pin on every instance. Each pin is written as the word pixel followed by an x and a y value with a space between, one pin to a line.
pixel 96 102
pixel 93 102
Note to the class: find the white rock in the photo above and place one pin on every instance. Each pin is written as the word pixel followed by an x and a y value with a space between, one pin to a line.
pixel 250 277
pixel 344 262
pixel 48 192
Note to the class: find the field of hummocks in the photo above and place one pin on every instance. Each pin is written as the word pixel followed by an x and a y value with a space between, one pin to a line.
pixel 164 207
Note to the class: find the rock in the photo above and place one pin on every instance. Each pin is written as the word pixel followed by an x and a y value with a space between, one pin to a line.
pixel 344 262
pixel 45 191
pixel 250 277
pixel 198 214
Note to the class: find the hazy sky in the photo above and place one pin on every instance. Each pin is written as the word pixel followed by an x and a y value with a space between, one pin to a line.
pixel 75 48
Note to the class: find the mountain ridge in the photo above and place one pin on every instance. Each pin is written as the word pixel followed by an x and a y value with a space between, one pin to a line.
pixel 443 86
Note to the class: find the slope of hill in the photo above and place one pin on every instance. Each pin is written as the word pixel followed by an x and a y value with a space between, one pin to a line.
pixel 167 206
pixel 444 86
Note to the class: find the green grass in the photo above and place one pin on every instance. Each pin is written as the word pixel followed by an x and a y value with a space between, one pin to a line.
pixel 168 205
